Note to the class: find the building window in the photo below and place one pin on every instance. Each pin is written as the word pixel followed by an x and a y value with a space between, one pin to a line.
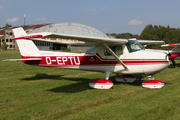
pixel 6 40
pixel 10 40
pixel 2 40
pixel 10 33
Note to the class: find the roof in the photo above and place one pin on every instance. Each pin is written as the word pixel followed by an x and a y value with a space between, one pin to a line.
pixel 67 28
pixel 71 28
pixel 27 28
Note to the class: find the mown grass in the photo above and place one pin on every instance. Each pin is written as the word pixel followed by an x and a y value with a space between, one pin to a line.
pixel 42 93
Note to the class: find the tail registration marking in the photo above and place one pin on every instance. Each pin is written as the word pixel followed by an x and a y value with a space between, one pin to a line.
pixel 63 60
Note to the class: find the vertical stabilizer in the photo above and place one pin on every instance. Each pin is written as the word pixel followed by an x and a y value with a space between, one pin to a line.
pixel 26 47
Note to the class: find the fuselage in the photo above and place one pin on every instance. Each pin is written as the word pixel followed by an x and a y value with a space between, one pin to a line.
pixel 99 59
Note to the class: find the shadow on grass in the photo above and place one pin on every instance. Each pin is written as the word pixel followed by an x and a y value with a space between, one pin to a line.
pixel 138 81
pixel 81 84
pixel 172 66
pixel 40 76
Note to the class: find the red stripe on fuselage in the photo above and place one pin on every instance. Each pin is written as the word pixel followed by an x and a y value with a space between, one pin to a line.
pixel 75 61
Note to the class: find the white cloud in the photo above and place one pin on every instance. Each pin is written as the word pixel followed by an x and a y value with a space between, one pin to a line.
pixel 1 7
pixel 16 19
pixel 41 19
pixel 135 22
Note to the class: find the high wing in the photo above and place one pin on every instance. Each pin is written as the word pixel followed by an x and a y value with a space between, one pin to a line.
pixel 79 39
pixel 150 42
pixel 147 42
pixel 89 39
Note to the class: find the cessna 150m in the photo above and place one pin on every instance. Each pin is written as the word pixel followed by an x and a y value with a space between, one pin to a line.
pixel 109 55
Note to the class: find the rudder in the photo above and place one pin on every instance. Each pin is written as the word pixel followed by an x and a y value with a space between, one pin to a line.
pixel 26 47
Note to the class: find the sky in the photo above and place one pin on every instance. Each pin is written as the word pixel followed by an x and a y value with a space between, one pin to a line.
pixel 108 16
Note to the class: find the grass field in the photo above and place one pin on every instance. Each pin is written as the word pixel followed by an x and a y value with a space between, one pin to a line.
pixel 42 93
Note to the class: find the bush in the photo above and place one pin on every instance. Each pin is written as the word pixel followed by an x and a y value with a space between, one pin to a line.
pixel 63 48
pixel 4 46
pixel 68 50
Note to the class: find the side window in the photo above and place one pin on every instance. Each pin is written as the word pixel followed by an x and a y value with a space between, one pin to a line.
pixel 116 49
pixel 92 50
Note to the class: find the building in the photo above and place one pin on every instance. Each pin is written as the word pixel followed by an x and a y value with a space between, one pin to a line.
pixel 6 34
pixel 68 28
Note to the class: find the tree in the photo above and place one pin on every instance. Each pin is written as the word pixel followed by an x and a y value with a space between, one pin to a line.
pixel 6 26
pixel 167 34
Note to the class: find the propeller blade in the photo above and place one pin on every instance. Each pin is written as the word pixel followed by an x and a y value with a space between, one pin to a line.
pixel 174 63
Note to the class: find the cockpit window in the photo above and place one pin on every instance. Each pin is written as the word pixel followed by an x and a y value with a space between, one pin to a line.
pixel 133 46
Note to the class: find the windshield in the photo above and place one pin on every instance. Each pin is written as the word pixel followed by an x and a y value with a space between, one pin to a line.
pixel 133 46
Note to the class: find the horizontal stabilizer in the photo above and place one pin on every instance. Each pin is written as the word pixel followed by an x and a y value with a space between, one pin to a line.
pixel 27 37
pixel 22 59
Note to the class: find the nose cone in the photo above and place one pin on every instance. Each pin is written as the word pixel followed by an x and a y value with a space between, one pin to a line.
pixel 172 56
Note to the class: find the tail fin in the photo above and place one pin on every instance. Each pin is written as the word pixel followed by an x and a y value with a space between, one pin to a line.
pixel 26 47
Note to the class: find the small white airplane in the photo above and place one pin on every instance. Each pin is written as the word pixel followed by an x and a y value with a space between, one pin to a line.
pixel 109 55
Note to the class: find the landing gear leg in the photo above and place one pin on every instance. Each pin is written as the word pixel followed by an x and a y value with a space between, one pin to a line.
pixel 107 75
pixel 151 77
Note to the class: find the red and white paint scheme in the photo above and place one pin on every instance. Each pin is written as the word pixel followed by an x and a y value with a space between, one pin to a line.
pixel 153 84
pixel 108 55
pixel 101 84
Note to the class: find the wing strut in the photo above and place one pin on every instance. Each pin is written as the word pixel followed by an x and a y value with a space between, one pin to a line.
pixel 109 49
